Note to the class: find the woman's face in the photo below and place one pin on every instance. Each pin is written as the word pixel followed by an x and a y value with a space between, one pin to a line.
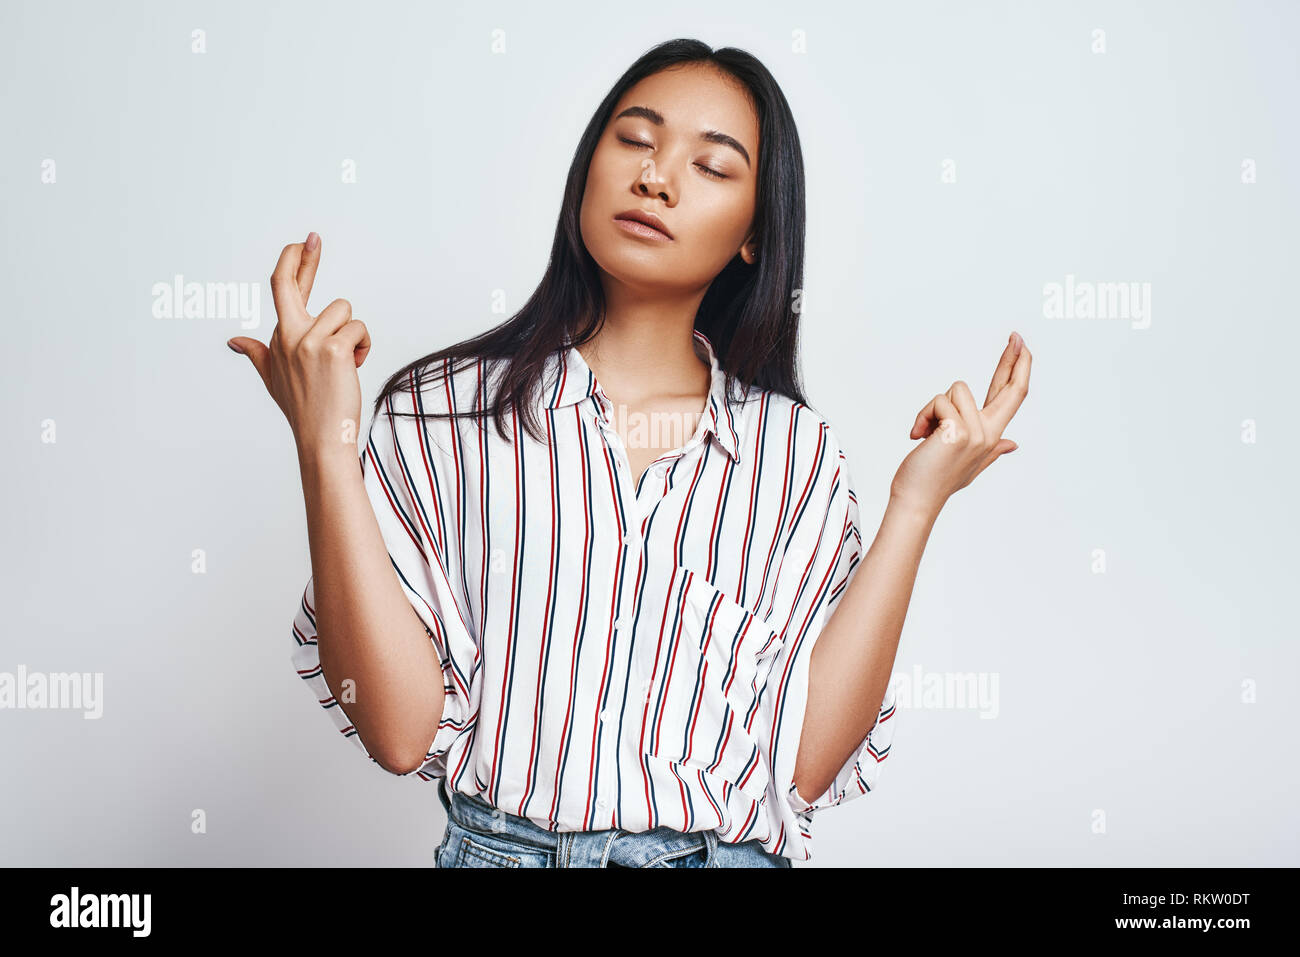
pixel 683 145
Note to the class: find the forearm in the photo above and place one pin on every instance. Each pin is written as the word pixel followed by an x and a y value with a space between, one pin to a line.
pixel 367 630
pixel 851 662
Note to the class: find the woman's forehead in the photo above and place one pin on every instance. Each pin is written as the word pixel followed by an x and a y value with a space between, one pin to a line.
pixel 695 98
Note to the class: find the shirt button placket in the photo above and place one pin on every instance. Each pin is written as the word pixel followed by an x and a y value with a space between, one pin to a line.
pixel 608 716
pixel 609 732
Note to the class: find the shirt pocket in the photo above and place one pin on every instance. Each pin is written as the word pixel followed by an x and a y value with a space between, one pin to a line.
pixel 708 672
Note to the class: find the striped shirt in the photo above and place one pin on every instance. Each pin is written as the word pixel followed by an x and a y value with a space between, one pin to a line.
pixel 618 652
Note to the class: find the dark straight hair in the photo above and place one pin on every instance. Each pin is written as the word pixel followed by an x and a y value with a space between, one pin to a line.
pixel 749 313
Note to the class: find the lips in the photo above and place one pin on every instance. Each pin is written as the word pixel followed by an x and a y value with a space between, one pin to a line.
pixel 646 219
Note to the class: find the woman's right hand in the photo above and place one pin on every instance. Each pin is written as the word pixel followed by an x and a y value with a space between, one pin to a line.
pixel 310 365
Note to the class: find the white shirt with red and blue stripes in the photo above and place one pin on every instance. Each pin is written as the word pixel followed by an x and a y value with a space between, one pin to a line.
pixel 615 652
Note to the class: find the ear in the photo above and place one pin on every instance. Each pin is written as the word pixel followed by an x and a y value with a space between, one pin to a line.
pixel 749 251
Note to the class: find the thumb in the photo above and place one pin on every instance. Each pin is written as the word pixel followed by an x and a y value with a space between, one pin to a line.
pixel 257 353
pixel 1004 446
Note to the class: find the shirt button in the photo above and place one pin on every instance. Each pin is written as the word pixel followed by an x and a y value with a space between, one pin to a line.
pixel 600 802
pixel 604 715
pixel 629 539
pixel 621 624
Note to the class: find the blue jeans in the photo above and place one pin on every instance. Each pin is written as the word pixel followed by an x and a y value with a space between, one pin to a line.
pixel 479 835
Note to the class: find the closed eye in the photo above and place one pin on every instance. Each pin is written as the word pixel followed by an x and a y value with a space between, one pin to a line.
pixel 708 171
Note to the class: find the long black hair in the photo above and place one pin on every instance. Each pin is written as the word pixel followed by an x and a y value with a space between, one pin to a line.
pixel 749 313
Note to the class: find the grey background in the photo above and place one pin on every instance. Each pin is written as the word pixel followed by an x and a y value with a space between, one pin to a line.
pixel 1120 692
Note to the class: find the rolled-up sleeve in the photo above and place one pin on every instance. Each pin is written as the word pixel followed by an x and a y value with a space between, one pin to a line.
pixel 824 551
pixel 403 486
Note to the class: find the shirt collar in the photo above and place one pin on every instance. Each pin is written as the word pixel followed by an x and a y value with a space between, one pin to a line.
pixel 569 379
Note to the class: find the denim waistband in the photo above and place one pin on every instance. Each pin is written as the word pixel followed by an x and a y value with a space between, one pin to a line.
pixel 604 848
pixel 475 813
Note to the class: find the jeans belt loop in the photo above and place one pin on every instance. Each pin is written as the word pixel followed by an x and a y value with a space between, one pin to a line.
pixel 711 848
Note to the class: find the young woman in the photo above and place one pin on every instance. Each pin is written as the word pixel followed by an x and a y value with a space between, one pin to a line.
pixel 644 630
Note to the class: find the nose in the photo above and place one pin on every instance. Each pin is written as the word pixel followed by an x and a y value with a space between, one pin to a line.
pixel 649 183
pixel 657 191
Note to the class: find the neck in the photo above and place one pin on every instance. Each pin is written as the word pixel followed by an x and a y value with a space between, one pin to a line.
pixel 647 348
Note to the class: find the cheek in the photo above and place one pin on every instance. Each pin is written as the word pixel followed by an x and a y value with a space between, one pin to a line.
pixel 596 196
pixel 592 201
pixel 599 174
pixel 590 212
pixel 731 213
pixel 718 225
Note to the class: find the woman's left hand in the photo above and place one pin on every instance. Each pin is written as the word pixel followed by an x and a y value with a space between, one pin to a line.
pixel 961 441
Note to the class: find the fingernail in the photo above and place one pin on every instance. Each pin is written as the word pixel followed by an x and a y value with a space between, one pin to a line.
pixel 312 240
pixel 1016 342
pixel 234 348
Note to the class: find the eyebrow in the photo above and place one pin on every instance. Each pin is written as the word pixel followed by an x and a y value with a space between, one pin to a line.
pixel 709 136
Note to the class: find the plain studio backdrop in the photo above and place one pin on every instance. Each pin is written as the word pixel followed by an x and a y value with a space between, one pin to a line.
pixel 1117 588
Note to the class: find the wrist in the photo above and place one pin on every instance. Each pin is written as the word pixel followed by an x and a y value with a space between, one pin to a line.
pixel 913 510
pixel 326 454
